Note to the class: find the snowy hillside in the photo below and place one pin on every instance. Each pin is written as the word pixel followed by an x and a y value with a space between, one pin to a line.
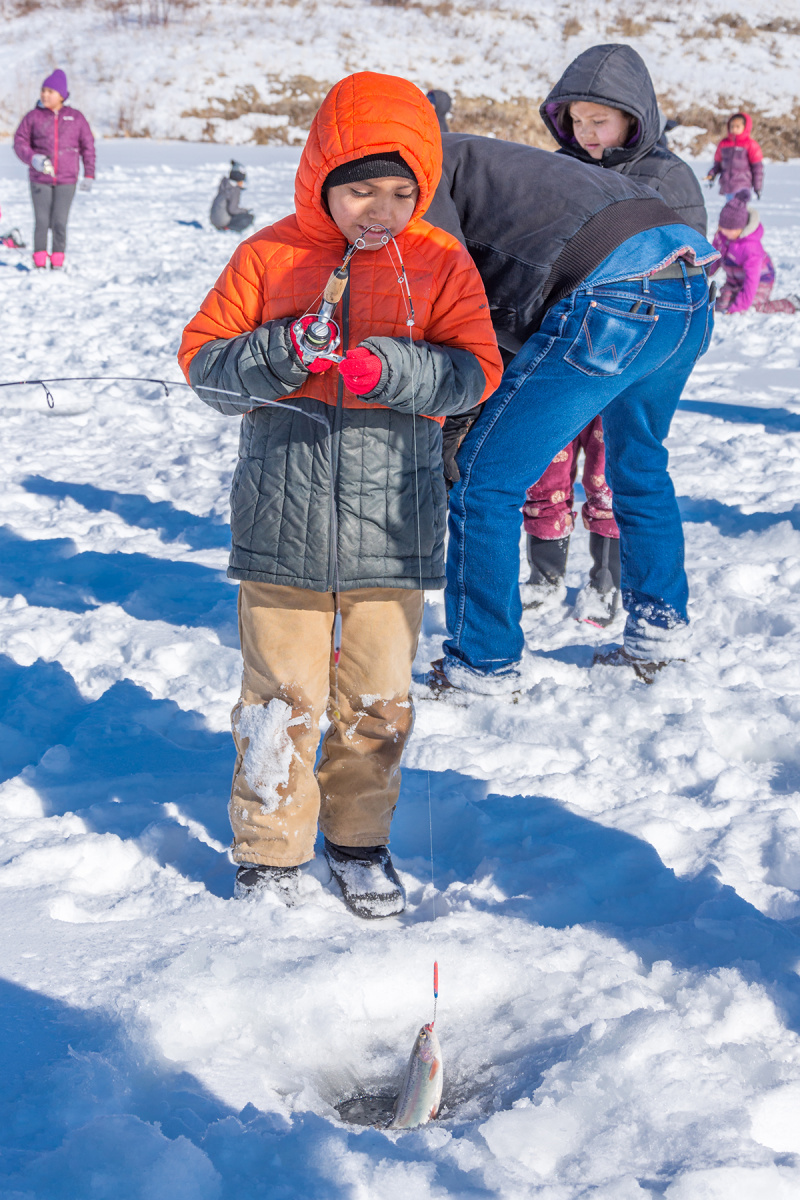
pixel 254 70
pixel 617 867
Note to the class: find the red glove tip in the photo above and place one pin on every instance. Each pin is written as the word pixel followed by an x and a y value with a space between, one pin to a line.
pixel 361 370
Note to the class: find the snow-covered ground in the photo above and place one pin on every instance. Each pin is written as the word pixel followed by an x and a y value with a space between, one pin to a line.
pixel 221 70
pixel 617 867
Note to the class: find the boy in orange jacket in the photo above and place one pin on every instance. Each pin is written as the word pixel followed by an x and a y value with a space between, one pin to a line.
pixel 338 500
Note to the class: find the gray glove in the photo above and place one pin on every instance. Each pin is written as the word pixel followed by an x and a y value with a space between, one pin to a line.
pixel 85 184
pixel 40 162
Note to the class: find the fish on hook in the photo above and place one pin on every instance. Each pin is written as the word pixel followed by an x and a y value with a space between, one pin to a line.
pixel 421 1091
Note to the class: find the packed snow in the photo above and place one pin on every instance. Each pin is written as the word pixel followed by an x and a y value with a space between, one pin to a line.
pixel 616 873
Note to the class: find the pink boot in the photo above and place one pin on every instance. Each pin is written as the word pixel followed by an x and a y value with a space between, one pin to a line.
pixel 40 259
pixel 57 260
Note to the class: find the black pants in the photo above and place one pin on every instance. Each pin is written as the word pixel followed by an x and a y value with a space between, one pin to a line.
pixel 51 204
pixel 240 221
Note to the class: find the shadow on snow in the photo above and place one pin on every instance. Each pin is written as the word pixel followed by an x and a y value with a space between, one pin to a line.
pixel 53 573
pixel 174 524
pixel 86 1110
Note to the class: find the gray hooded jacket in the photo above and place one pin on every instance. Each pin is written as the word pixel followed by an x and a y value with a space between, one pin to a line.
pixel 226 203
pixel 615 75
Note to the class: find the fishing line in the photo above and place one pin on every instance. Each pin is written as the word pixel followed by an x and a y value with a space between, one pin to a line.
pixel 405 292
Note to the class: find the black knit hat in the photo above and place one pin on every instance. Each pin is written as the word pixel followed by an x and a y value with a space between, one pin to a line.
pixel 371 166
pixel 237 171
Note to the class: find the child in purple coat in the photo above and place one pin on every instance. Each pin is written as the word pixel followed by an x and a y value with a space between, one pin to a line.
pixel 51 139
pixel 749 273
pixel 738 159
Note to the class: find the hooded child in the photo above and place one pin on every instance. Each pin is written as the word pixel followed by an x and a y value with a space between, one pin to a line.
pixel 338 503
pixel 738 159
pixel 226 212
pixel 604 112
pixel 749 273
pixel 54 139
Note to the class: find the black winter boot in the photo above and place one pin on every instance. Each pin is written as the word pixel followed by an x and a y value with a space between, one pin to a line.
pixel 254 878
pixel 548 562
pixel 599 600
pixel 369 882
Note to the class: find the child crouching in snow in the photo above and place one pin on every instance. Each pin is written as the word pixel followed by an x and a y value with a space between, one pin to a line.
pixel 749 273
pixel 226 212
pixel 338 500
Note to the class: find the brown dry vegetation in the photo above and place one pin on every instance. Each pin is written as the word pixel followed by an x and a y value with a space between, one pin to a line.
pixel 515 120
pixel 297 99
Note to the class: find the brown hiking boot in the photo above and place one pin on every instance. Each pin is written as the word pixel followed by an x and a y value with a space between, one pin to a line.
pixel 619 657
pixel 436 679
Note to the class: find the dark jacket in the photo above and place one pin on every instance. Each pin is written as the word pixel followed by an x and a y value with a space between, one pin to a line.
pixel 442 104
pixel 65 137
pixel 226 203
pixel 535 223
pixel 615 75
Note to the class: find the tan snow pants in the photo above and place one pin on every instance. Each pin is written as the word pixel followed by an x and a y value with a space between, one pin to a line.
pixel 286 635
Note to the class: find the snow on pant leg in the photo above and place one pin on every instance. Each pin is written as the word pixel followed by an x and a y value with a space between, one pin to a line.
pixel 597 513
pixel 726 296
pixel 62 201
pixel 542 404
pixel 636 423
pixel 42 195
pixel 286 635
pixel 359 769
pixel 547 511
pixel 762 302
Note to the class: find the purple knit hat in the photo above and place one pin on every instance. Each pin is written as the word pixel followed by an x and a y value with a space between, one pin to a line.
pixel 735 215
pixel 58 82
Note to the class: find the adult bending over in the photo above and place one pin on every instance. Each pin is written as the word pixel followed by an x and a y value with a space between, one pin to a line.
pixel 51 139
pixel 599 289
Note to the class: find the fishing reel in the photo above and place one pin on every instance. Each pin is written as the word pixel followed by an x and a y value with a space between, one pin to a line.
pixel 321 337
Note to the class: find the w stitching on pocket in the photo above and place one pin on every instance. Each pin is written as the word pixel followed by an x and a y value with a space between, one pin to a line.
pixel 620 345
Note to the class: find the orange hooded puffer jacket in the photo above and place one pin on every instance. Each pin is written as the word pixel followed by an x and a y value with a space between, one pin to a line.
pixel 282 270
pixel 334 492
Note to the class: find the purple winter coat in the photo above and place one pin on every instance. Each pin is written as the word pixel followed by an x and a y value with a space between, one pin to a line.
pixel 64 137
pixel 738 161
pixel 745 262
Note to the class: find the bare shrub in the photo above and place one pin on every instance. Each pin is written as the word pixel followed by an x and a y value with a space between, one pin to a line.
pixel 780 25
pixel 515 120
pixel 145 12
pixel 628 27
pixel 297 99
pixel 571 28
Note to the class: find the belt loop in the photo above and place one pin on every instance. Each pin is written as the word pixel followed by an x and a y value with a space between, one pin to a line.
pixel 646 284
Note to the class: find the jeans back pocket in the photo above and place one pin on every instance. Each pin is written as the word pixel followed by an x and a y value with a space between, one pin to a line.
pixel 609 339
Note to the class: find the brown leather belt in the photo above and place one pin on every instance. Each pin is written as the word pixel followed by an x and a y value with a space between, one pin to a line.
pixel 673 271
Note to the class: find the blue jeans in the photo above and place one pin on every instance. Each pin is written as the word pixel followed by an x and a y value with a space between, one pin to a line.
pixel 592 354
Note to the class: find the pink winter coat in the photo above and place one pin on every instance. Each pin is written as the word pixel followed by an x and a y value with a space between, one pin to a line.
pixel 745 262
pixel 65 137
pixel 738 160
